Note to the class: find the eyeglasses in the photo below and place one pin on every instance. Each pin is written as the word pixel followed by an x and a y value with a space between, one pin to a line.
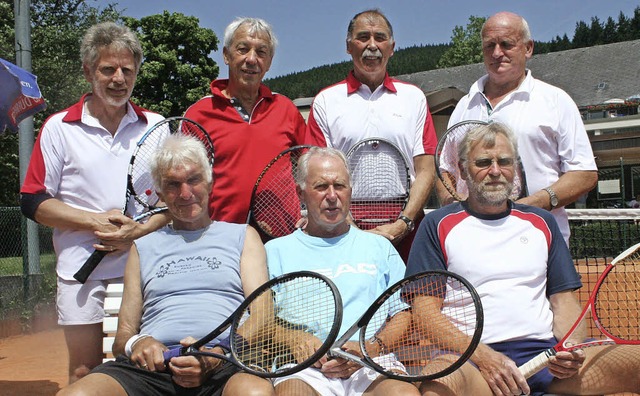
pixel 484 163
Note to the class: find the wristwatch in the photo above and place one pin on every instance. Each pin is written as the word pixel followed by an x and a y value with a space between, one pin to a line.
pixel 410 224
pixel 553 198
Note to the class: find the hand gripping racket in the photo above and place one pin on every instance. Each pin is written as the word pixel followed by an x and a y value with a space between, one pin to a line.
pixel 396 345
pixel 139 181
pixel 446 159
pixel 273 321
pixel 380 181
pixel 614 307
pixel 275 207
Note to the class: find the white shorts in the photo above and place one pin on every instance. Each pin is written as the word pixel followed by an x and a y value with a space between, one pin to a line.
pixel 355 385
pixel 80 304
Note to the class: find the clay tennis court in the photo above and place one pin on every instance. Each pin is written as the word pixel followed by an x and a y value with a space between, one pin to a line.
pixel 33 364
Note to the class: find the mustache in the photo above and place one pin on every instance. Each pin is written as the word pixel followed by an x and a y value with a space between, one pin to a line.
pixel 369 53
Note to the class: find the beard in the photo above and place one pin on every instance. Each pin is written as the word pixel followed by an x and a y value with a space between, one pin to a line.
pixel 104 94
pixel 493 195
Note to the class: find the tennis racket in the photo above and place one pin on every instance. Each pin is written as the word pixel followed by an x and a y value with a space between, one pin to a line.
pixel 275 207
pixel 613 305
pixel 269 326
pixel 141 200
pixel 446 158
pixel 380 182
pixel 395 345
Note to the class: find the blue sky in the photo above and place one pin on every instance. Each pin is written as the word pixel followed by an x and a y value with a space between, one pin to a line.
pixel 312 33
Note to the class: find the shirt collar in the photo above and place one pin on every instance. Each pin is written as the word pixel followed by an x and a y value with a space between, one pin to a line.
pixel 74 113
pixel 525 86
pixel 219 85
pixel 353 84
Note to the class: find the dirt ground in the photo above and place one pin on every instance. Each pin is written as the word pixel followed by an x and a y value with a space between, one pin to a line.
pixel 33 364
pixel 36 364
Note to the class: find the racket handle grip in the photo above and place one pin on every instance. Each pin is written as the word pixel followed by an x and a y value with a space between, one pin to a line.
pixel 537 363
pixel 171 353
pixel 89 265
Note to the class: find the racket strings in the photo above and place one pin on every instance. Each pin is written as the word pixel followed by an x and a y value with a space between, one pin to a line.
pixel 425 349
pixel 380 181
pixel 617 302
pixel 276 208
pixel 140 179
pixel 447 163
pixel 190 128
pixel 278 330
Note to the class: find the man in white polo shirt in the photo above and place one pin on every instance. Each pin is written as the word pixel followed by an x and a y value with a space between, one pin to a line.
pixel 369 103
pixel 76 184
pixel 554 146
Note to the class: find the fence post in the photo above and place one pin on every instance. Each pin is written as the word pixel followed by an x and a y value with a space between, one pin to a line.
pixel 30 246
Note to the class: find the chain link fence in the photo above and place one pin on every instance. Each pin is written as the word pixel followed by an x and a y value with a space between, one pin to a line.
pixel 25 285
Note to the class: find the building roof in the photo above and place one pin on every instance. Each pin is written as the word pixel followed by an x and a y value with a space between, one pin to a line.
pixel 591 76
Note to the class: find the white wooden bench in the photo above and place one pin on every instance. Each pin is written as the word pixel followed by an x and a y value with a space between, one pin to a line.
pixel 110 324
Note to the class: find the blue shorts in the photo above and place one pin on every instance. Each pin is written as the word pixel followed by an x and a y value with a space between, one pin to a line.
pixel 524 350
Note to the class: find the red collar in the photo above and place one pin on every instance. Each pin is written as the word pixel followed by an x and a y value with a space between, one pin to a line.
pixel 74 113
pixel 353 84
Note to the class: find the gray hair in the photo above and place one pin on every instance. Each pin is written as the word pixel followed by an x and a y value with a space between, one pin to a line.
pixel 303 162
pixel 485 134
pixel 254 26
pixel 370 15
pixel 177 150
pixel 525 32
pixel 109 34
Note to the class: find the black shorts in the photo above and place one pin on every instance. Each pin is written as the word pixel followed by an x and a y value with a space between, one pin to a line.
pixel 138 381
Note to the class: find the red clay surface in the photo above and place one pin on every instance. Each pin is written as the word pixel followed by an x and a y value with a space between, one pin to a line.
pixel 33 364
pixel 36 364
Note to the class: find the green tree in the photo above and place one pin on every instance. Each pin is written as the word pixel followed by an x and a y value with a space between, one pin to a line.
pixel 634 25
pixel 597 31
pixel 610 32
pixel 582 35
pixel 56 29
pixel 177 70
pixel 624 27
pixel 466 45
pixel 560 44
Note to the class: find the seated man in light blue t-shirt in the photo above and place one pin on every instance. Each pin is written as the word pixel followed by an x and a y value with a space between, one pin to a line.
pixel 361 264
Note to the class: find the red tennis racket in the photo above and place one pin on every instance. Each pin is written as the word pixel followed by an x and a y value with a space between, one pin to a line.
pixel 275 207
pixel 613 306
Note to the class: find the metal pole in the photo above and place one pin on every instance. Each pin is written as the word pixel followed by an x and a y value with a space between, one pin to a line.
pixel 622 189
pixel 30 244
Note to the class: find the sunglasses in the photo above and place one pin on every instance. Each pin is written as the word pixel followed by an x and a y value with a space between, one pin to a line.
pixel 484 163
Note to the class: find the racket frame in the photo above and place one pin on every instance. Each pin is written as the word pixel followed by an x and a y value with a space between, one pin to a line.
pixel 361 326
pixel 251 218
pixel 232 322
pixel 541 360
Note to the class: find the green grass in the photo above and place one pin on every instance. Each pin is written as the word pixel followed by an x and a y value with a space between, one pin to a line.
pixel 13 265
pixel 41 295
